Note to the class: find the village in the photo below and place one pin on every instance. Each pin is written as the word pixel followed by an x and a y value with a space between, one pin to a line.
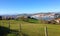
pixel 39 16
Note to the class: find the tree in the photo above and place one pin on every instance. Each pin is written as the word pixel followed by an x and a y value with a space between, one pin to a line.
pixel 0 17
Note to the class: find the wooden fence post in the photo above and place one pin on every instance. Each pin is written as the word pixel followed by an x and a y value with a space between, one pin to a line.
pixel 1 23
pixel 46 32
pixel 9 25
pixel 19 33
pixel 20 30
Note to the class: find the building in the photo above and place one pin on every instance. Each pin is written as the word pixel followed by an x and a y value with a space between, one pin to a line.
pixel 45 16
pixel 57 20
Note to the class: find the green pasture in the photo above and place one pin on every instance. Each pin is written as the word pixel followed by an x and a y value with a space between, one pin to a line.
pixel 31 29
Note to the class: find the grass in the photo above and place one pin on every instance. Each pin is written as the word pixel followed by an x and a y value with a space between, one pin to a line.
pixel 32 20
pixel 32 29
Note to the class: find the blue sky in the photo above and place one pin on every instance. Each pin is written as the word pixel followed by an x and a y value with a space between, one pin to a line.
pixel 28 6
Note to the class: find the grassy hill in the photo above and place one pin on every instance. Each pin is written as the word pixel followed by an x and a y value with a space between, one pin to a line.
pixel 31 29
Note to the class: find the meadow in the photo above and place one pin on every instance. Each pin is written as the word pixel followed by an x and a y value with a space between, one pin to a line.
pixel 31 29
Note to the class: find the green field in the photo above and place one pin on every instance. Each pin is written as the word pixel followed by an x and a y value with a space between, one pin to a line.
pixel 31 29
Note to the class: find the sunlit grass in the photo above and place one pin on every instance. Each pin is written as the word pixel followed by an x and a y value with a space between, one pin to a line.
pixel 32 29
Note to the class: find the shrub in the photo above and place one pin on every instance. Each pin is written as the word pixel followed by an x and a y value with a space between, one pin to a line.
pixel 32 20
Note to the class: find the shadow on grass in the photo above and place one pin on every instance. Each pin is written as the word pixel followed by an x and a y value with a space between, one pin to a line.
pixel 4 31
pixel 24 34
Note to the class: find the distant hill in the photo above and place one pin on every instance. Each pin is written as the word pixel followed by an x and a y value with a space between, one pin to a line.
pixel 37 15
pixel 45 16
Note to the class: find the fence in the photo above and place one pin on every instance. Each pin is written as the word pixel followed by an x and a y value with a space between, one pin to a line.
pixel 25 29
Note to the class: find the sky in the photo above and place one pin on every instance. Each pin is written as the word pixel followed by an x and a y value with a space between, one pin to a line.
pixel 28 6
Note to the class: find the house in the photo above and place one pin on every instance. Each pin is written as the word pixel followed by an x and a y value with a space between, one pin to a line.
pixel 57 20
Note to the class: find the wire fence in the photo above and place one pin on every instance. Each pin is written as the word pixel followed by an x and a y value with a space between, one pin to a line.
pixel 22 30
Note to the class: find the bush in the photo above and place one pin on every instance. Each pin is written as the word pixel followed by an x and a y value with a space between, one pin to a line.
pixel 47 22
pixel 32 20
pixel 51 22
